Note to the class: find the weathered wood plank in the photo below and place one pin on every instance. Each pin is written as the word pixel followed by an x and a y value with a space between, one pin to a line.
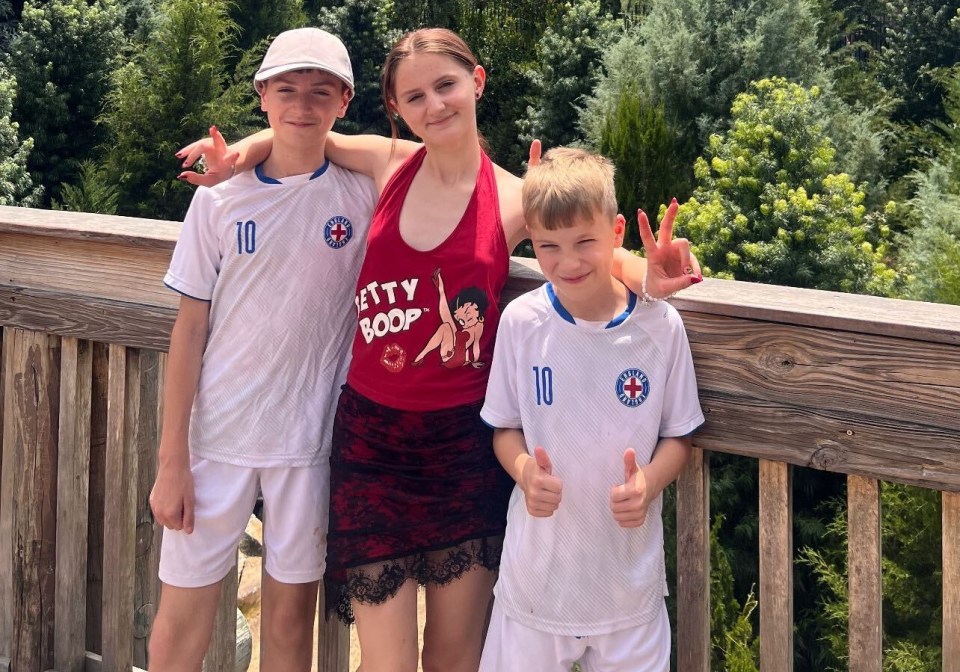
pixel 776 567
pixel 28 509
pixel 951 582
pixel 85 226
pixel 333 642
pixel 120 273
pixel 222 653
pixel 6 514
pixel 693 564
pixel 838 441
pixel 864 574
pixel 119 549
pixel 131 324
pixel 916 320
pixel 98 456
pixel 829 370
pixel 73 474
pixel 146 584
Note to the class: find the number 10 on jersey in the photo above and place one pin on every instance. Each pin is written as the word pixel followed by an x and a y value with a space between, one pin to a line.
pixel 543 381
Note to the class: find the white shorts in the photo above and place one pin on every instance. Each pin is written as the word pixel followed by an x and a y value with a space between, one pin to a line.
pixel 512 647
pixel 296 503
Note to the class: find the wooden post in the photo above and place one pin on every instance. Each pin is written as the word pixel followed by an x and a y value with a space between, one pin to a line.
pixel 28 510
pixel 146 591
pixel 864 574
pixel 951 582
pixel 693 564
pixel 98 456
pixel 333 641
pixel 222 653
pixel 120 510
pixel 776 567
pixel 73 474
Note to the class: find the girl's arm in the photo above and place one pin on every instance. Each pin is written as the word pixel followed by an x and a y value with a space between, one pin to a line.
pixel 371 155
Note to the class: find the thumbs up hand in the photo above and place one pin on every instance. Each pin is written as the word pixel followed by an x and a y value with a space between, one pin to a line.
pixel 541 489
pixel 629 501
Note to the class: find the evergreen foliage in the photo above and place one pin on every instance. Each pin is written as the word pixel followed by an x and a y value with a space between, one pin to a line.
pixel 921 37
pixel 771 207
pixel 62 56
pixel 16 186
pixel 364 27
pixel 646 151
pixel 930 250
pixel 174 89
pixel 695 56
pixel 565 72
pixel 93 192
pixel 259 20
pixel 912 581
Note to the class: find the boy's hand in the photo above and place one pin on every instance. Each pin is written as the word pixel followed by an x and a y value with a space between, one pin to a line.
pixel 670 265
pixel 172 499
pixel 217 162
pixel 541 489
pixel 629 501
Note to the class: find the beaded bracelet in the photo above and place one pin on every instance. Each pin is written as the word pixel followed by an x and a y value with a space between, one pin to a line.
pixel 646 297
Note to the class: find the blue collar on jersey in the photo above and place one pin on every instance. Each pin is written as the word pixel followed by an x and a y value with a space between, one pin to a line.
pixel 263 177
pixel 565 314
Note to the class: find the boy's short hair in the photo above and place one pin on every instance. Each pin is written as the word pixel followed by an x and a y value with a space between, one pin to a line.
pixel 566 185
pixel 305 49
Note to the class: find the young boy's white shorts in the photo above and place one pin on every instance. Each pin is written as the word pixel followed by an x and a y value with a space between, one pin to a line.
pixel 512 647
pixel 296 501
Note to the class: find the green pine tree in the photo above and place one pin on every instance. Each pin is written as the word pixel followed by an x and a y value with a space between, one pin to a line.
pixel 175 89
pixel 770 205
pixel 62 55
pixel 16 186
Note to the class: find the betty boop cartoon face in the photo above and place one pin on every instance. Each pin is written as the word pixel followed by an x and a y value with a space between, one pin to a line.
pixel 468 307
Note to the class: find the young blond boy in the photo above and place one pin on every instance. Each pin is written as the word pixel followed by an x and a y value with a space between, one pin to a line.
pixel 593 397
pixel 266 266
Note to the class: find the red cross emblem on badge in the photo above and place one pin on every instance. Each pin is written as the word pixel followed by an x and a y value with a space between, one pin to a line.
pixel 338 231
pixel 633 387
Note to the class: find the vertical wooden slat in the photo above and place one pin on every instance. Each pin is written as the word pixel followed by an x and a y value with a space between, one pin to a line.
pixel 333 642
pixel 693 564
pixel 776 567
pixel 864 569
pixel 29 507
pixel 146 584
pixel 951 582
pixel 73 474
pixel 98 456
pixel 120 511
pixel 6 511
pixel 222 654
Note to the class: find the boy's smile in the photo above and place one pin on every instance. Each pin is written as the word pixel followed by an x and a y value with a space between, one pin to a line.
pixel 578 260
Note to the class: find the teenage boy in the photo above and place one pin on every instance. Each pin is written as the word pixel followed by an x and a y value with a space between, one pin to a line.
pixel 594 399
pixel 266 266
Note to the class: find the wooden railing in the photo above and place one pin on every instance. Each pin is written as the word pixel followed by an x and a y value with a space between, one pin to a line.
pixel 857 385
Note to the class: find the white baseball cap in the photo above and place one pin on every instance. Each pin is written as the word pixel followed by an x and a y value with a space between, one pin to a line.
pixel 306 49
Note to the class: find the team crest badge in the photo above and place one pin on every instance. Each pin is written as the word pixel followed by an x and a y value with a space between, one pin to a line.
pixel 338 231
pixel 633 386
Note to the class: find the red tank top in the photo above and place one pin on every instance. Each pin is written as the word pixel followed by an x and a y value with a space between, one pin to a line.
pixel 427 320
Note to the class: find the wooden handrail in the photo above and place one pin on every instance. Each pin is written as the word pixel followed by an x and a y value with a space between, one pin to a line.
pixel 863 386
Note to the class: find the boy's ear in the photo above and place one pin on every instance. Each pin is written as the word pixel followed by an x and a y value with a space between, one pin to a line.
pixel 261 90
pixel 344 103
pixel 619 229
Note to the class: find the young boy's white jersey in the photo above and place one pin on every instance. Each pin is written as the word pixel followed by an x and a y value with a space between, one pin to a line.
pixel 279 263
pixel 586 393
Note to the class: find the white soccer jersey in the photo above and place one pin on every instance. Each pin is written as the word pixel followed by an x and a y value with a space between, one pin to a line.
pixel 586 393
pixel 279 263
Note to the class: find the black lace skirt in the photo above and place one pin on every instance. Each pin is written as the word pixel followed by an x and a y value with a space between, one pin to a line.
pixel 413 495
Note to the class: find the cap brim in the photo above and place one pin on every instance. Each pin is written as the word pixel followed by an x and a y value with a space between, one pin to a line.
pixel 264 75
